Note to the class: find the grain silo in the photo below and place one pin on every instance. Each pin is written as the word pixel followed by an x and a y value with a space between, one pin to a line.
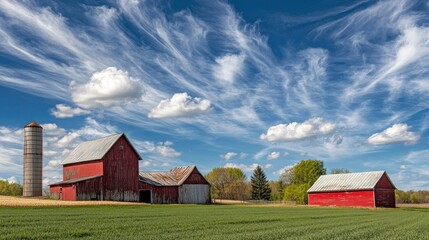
pixel 33 160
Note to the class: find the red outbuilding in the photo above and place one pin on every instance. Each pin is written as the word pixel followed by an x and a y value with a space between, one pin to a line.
pixel 108 169
pixel 180 185
pixel 365 189
pixel 102 169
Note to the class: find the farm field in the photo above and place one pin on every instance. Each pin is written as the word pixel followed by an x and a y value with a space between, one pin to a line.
pixel 211 222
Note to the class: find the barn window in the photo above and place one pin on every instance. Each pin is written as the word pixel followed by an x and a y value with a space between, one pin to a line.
pixel 121 147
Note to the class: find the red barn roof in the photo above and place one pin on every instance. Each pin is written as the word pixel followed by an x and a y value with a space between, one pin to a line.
pixel 347 182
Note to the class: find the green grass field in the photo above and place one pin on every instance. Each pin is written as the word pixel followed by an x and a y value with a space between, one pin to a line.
pixel 211 222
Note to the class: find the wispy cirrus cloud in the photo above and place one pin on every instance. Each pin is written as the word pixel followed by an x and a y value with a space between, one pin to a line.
pixel 227 67
pixel 361 65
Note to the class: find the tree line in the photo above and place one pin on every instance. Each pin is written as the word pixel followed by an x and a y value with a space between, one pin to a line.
pixel 231 183
pixel 412 196
pixel 292 185
pixel 10 189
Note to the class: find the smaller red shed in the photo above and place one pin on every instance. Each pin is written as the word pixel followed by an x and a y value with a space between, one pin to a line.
pixel 179 185
pixel 365 189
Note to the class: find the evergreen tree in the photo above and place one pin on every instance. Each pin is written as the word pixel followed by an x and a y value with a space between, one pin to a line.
pixel 260 188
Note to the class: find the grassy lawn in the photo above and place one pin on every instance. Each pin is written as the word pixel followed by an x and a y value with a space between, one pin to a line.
pixel 211 222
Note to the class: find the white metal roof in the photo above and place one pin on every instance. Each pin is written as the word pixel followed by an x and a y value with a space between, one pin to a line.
pixel 92 150
pixel 346 181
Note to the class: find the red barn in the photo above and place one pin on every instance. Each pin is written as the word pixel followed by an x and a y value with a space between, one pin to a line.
pixel 180 185
pixel 108 169
pixel 366 189
pixel 102 169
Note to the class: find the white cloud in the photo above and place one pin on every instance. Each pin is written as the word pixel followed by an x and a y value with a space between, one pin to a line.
pixel 180 105
pixel 12 179
pixel 297 131
pixel 396 133
pixel 165 164
pixel 282 170
pixel 244 167
pixel 403 167
pixel 167 151
pixel 242 155
pixel 64 111
pixel 273 155
pixel 51 179
pixel 229 155
pixel 54 163
pixel 107 88
pixel 269 165
pixel 66 140
pixel 52 129
pixel 164 149
pixel 227 67
pixel 146 164
pixel 49 153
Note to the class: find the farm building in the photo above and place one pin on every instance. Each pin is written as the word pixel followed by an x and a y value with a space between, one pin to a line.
pixel 180 185
pixel 108 169
pixel 365 189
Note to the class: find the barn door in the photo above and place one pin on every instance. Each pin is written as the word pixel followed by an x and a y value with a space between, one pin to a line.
pixel 145 196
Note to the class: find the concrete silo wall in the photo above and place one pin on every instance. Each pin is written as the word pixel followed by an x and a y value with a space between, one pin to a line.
pixel 33 161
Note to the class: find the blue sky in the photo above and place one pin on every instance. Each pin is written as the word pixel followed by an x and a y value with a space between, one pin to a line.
pixel 217 83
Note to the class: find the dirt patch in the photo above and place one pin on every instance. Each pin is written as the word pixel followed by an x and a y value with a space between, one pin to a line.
pixel 420 205
pixel 44 202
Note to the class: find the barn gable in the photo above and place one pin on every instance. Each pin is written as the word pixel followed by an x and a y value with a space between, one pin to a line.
pixel 385 182
pixel 95 149
pixel 348 182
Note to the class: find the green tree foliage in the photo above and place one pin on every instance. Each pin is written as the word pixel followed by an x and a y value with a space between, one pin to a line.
pixel 303 175
pixel 297 193
pixel 277 190
pixel 421 196
pixel 228 183
pixel 260 188
pixel 339 170
pixel 10 189
pixel 307 171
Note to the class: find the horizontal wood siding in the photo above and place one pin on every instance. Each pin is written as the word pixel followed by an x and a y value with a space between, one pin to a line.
pixel 120 179
pixel 161 195
pixel 346 198
pixel 89 190
pixel 194 194
pixel 385 198
pixel 196 178
pixel 84 169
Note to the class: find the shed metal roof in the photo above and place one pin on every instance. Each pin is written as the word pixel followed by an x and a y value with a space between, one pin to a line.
pixel 75 180
pixel 175 177
pixel 94 150
pixel 346 181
